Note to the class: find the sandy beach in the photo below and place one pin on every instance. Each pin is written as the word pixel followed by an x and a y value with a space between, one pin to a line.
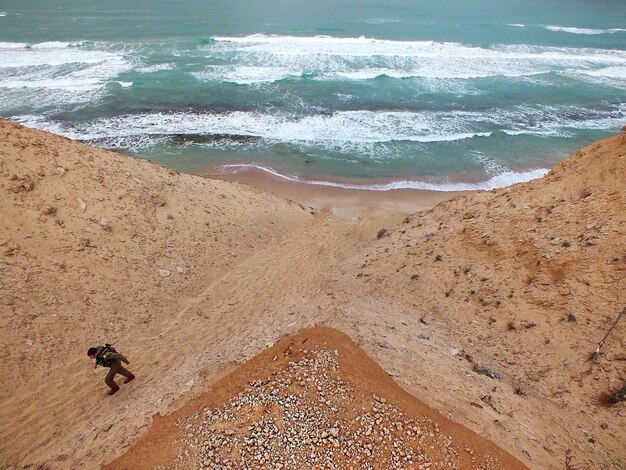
pixel 481 310
pixel 346 204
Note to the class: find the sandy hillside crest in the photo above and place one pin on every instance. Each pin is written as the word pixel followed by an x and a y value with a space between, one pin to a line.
pixel 189 276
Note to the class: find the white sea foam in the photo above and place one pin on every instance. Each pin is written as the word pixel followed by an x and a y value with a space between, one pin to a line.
pixel 588 31
pixel 517 25
pixel 262 58
pixel 139 143
pixel 489 164
pixel 55 45
pixel 155 68
pixel 246 75
pixel 500 180
pixel 383 20
pixel 544 132
pixel 368 47
pixel 63 83
pixel 321 45
pixel 344 97
pixel 3 13
pixel 610 72
pixel 16 55
pixel 13 45
pixel 346 131
pixel 40 45
pixel 57 66
pixel 333 130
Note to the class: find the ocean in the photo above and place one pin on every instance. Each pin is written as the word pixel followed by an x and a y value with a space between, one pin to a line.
pixel 446 95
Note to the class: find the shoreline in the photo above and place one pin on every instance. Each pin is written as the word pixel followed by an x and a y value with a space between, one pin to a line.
pixel 345 203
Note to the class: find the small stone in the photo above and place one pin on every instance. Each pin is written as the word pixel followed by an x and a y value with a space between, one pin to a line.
pixel 82 205
pixel 23 185
pixel 164 272
pixel 105 224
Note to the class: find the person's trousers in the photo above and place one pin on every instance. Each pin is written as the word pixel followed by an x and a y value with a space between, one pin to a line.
pixel 116 368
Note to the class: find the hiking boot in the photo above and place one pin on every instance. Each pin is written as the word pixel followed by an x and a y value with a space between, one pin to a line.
pixel 129 379
pixel 112 391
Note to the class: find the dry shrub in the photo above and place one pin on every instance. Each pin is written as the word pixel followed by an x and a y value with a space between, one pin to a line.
pixel 613 397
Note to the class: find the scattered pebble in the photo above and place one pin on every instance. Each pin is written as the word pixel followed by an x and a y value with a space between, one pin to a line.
pixel 305 416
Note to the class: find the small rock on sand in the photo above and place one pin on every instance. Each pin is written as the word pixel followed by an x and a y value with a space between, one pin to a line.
pixel 105 224
pixel 82 205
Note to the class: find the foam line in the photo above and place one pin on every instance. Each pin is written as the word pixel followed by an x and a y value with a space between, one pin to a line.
pixel 500 180
pixel 320 46
pixel 588 31
pixel 65 83
pixel 609 72
pixel 16 55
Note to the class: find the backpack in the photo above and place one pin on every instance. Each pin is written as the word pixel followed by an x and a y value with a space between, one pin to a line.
pixel 106 349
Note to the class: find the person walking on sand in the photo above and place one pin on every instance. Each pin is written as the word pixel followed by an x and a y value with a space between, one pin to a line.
pixel 107 356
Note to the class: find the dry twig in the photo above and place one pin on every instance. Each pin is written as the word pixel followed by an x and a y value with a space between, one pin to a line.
pixel 596 354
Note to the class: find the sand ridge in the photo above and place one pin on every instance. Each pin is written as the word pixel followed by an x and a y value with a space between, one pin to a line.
pixel 190 277
pixel 312 400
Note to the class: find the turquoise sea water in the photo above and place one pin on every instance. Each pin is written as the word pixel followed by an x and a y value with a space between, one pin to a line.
pixel 445 95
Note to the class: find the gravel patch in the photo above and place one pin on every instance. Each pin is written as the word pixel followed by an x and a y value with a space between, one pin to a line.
pixel 306 416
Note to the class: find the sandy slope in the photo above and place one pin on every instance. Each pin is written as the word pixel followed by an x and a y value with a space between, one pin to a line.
pixel 88 232
pixel 496 275
pixel 67 283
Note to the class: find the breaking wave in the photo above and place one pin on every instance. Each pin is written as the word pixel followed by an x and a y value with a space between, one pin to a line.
pixel 262 58
pixel 80 73
pixel 345 127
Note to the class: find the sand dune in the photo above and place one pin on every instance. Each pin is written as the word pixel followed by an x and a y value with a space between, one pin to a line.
pixel 190 277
